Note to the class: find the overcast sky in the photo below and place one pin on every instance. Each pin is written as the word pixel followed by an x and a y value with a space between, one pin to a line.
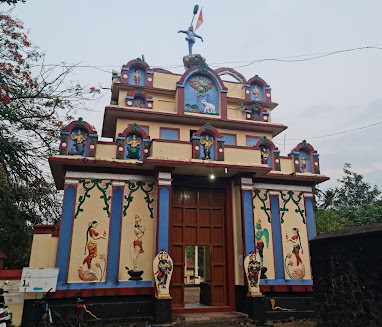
pixel 318 97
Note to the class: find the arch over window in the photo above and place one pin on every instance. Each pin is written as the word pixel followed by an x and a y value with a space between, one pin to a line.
pixel 207 144
pixel 257 89
pixel 269 153
pixel 201 91
pixel 78 138
pixel 137 72
pixel 139 99
pixel 133 144
pixel 305 158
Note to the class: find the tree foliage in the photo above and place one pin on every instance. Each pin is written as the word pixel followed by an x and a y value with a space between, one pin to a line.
pixel 353 203
pixel 34 104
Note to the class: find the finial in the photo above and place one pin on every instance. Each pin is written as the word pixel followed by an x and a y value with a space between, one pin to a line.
pixel 191 35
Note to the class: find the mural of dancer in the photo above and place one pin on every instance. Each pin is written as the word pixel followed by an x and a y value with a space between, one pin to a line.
pixel 137 249
pixel 260 234
pixel 299 271
pixel 91 250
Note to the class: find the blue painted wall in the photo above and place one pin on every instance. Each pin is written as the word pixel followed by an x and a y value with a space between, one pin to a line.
pixel 169 134
pixel 277 244
pixel 142 77
pixel 260 92
pixel 115 232
pixel 212 148
pixel 251 141
pixel 229 139
pixel 248 222
pixel 193 98
pixel 71 142
pixel 310 218
pixel 128 139
pixel 164 216
pixel 65 233
pixel 303 153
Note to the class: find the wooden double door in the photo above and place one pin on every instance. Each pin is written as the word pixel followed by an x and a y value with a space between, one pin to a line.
pixel 198 219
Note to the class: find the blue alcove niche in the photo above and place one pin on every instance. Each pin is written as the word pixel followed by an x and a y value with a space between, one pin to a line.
pixel 134 70
pixel 72 148
pixel 133 153
pixel 260 88
pixel 268 160
pixel 139 102
pixel 304 153
pixel 201 88
pixel 212 148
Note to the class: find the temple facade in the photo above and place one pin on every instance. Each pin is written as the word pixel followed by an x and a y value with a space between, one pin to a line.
pixel 191 165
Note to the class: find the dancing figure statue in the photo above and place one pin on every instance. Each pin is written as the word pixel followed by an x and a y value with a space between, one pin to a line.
pixel 207 147
pixel 133 148
pixel 78 146
pixel 191 35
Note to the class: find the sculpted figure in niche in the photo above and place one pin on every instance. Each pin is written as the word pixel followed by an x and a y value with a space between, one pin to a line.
pixel 78 146
pixel 207 142
pixel 256 92
pixel 137 249
pixel 137 77
pixel 303 164
pixel 264 155
pixel 133 149
pixel 138 104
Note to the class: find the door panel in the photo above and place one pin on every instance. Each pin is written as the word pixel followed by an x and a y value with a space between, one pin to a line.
pixel 197 218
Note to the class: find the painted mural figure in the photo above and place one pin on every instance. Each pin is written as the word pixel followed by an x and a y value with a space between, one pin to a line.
pixel 191 35
pixel 201 86
pixel 139 231
pixel 264 155
pixel 138 104
pixel 78 146
pixel 91 245
pixel 254 268
pixel 303 164
pixel 256 92
pixel 164 269
pixel 133 149
pixel 137 77
pixel 261 232
pixel 207 142
pixel 299 271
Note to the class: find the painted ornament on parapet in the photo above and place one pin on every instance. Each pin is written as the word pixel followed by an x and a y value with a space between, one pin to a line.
pixel 261 233
pixel 252 267
pixel 294 265
pixel 162 268
pixel 133 148
pixel 207 142
pixel 201 85
pixel 78 147
pixel 87 272
pixel 136 249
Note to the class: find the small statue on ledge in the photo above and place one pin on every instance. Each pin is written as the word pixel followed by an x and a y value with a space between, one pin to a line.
pixel 133 148
pixel 207 147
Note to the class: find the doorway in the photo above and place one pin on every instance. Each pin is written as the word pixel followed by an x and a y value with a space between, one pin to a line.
pixel 197 229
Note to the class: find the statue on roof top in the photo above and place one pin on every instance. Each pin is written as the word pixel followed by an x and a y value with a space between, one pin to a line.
pixel 191 35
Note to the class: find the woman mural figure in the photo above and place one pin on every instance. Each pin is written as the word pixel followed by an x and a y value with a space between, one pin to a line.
pixel 91 245
pixel 296 241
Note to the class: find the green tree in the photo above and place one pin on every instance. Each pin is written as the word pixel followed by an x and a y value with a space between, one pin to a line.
pixel 34 105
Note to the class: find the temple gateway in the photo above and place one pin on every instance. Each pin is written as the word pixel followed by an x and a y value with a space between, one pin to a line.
pixel 190 207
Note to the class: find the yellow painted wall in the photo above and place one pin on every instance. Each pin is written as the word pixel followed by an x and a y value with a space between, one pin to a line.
pixel 92 211
pixel 293 219
pixel 242 156
pixel 261 211
pixel 15 308
pixel 44 251
pixel 106 151
pixel 235 90
pixel 287 165
pixel 137 207
pixel 237 235
pixel 171 151
pixel 165 81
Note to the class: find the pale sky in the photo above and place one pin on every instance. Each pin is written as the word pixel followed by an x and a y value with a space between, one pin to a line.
pixel 318 97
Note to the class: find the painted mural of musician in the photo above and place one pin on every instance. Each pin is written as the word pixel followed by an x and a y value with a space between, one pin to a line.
pixel 137 249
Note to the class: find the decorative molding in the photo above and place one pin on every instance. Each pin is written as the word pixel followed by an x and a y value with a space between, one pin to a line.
pixel 282 187
pixel 70 181
pixel 112 177
pixel 246 184
pixel 118 183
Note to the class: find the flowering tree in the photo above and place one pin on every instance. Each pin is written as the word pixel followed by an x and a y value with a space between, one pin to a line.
pixel 35 102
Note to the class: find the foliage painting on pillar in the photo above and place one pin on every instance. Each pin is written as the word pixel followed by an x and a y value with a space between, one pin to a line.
pixel 135 186
pixel 263 199
pixel 286 198
pixel 85 186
